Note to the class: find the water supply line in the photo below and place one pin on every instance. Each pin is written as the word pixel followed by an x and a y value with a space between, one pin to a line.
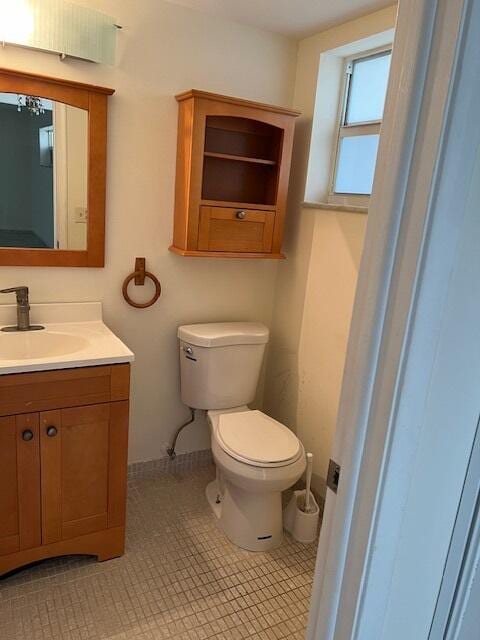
pixel 171 450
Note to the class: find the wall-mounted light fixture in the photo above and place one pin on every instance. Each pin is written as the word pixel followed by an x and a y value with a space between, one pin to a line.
pixel 59 27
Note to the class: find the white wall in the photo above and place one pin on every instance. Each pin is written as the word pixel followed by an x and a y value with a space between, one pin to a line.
pixel 163 49
pixel 316 284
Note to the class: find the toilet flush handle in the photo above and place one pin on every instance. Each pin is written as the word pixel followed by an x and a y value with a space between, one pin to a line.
pixel 188 350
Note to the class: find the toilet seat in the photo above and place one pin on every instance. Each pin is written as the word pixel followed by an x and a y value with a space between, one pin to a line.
pixel 256 439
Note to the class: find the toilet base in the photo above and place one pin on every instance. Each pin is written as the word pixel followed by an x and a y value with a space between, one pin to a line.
pixel 252 521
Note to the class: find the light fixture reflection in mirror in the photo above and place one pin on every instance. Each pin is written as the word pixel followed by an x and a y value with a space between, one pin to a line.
pixel 43 173
pixel 32 104
pixel 16 21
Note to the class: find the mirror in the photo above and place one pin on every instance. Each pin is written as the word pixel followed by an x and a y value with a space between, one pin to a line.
pixel 52 171
pixel 43 173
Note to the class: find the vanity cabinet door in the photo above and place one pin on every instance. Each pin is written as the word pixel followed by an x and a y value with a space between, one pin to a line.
pixel 19 483
pixel 83 469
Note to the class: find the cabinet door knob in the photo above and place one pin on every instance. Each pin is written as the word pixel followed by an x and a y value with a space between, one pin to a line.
pixel 51 432
pixel 240 215
pixel 27 435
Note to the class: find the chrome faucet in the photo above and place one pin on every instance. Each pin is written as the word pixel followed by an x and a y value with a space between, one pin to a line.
pixel 23 311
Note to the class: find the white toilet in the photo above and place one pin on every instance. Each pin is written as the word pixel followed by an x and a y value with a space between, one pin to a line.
pixel 256 457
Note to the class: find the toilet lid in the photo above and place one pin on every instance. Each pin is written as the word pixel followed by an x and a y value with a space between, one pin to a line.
pixel 254 436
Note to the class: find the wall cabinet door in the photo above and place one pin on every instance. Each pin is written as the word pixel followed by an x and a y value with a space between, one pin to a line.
pixel 19 483
pixel 83 469
pixel 235 230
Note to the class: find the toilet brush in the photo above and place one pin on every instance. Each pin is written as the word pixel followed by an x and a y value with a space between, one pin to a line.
pixel 306 507
pixel 300 517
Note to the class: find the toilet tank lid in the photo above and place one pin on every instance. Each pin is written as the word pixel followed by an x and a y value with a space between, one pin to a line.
pixel 219 334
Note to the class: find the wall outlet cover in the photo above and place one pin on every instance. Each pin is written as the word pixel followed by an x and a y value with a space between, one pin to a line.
pixel 81 214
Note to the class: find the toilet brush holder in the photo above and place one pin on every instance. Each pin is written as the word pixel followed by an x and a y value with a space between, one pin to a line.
pixel 301 525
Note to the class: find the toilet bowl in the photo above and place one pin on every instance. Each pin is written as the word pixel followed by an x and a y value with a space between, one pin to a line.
pixel 257 458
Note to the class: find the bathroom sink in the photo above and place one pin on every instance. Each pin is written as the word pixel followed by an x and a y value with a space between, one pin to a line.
pixel 74 336
pixel 31 345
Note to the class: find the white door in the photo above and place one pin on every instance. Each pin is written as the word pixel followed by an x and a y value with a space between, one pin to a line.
pixel 457 615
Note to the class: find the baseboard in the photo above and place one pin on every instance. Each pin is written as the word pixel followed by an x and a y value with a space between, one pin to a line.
pixel 163 466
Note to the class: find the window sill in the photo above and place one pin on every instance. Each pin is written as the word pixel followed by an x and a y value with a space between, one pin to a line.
pixel 349 208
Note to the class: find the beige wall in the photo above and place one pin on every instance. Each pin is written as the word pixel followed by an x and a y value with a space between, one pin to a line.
pixel 163 49
pixel 316 285
pixel 332 278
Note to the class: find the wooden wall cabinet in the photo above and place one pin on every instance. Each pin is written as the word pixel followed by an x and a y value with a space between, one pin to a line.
pixel 63 464
pixel 233 165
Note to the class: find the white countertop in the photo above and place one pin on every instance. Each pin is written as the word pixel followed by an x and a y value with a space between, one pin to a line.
pixel 74 336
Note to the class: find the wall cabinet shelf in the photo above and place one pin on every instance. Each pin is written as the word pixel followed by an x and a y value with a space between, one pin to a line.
pixel 63 464
pixel 227 156
pixel 233 165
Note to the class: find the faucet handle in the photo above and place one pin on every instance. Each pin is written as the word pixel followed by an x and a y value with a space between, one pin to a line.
pixel 22 293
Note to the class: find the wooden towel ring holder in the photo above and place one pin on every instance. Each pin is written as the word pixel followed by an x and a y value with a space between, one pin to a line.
pixel 139 275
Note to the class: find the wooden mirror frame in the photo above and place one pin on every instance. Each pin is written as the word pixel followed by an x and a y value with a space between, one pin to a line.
pixel 93 100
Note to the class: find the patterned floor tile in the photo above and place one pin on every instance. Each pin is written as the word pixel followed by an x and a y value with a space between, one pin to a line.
pixel 179 579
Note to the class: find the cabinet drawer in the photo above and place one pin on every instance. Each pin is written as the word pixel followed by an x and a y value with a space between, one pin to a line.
pixel 44 390
pixel 240 230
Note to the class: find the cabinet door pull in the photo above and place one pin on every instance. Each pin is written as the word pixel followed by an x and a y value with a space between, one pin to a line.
pixel 51 432
pixel 27 435
pixel 240 215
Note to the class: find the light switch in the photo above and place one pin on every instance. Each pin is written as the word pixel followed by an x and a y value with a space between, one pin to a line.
pixel 81 214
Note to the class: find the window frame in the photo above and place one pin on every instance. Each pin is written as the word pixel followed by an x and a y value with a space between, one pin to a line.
pixel 370 127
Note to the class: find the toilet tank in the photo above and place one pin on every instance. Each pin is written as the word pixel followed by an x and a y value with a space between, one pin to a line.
pixel 220 363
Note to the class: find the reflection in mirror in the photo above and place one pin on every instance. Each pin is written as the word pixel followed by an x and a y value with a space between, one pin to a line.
pixel 43 173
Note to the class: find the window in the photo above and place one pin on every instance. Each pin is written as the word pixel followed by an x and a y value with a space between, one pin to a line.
pixel 363 99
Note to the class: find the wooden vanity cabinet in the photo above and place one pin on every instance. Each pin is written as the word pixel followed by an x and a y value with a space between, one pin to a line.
pixel 63 464
pixel 233 166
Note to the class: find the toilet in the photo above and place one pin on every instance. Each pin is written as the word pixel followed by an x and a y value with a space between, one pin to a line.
pixel 256 457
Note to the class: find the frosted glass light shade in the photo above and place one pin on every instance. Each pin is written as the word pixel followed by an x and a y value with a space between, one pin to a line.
pixel 60 27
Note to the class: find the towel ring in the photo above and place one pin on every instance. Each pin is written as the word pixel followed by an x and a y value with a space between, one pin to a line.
pixel 139 275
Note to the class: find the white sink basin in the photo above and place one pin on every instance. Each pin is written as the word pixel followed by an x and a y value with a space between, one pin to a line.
pixel 31 345
pixel 74 336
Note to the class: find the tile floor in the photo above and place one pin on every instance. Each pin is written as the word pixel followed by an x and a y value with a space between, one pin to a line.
pixel 180 578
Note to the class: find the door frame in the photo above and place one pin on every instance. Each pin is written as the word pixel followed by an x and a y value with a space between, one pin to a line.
pixel 60 175
pixel 400 329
